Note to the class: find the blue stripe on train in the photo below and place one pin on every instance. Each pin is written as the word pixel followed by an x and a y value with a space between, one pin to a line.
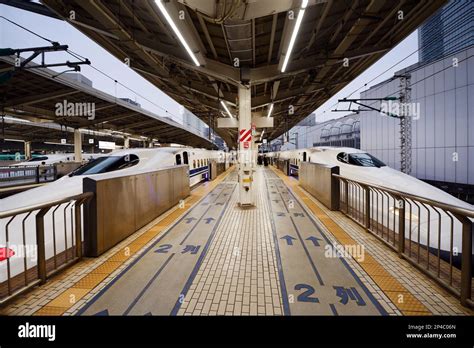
pixel 197 171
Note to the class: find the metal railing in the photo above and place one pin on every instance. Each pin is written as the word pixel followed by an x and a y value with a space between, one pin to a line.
pixel 433 236
pixel 23 175
pixel 39 241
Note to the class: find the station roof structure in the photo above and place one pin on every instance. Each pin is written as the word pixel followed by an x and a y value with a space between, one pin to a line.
pixel 24 130
pixel 258 34
pixel 33 93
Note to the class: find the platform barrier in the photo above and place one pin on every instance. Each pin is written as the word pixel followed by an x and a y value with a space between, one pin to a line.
pixel 38 241
pixel 216 168
pixel 283 165
pixel 317 179
pixel 122 205
pixel 435 237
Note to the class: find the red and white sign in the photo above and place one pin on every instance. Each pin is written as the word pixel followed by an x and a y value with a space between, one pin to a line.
pixel 246 144
pixel 245 135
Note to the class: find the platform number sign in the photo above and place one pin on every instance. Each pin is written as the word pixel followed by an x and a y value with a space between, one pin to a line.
pixel 91 141
pixel 63 141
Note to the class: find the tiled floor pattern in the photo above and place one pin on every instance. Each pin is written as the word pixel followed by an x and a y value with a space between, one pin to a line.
pixel 239 274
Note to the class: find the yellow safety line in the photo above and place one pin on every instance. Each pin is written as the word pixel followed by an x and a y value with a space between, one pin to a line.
pixel 395 291
pixel 81 288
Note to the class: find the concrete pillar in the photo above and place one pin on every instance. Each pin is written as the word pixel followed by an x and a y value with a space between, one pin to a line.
pixel 27 150
pixel 126 143
pixel 77 146
pixel 246 158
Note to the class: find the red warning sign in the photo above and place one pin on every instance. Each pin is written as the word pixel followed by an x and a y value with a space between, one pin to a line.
pixel 245 135
pixel 246 144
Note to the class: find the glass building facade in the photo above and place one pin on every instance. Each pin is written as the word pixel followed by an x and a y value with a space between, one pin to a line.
pixel 451 29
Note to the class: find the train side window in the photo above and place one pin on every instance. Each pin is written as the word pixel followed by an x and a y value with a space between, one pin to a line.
pixel 304 156
pixel 194 164
pixel 178 159
pixel 185 157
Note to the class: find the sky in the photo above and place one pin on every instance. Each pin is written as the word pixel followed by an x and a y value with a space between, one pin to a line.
pixel 158 102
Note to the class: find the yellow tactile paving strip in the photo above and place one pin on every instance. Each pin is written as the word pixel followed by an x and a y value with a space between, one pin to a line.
pixel 81 288
pixel 398 294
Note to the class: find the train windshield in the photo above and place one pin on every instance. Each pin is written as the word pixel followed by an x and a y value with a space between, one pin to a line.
pixel 360 159
pixel 106 164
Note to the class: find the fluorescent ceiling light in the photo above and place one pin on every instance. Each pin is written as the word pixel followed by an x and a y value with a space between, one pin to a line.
pixel 304 3
pixel 261 135
pixel 226 109
pixel 270 110
pixel 165 13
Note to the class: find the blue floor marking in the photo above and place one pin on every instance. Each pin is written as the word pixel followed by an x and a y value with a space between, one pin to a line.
pixel 284 293
pixel 190 280
pixel 148 284
pixel 344 262
pixel 200 219
pixel 144 252
pixel 313 265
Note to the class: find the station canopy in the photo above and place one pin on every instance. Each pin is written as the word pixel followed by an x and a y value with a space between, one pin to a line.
pixel 245 42
pixel 33 94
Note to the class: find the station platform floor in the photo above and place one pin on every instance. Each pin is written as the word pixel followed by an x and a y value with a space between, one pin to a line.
pixel 211 257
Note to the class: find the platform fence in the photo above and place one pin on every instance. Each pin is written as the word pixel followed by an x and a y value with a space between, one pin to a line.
pixel 38 241
pixel 434 237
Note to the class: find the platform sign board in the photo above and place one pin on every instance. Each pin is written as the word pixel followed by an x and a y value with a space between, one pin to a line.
pixel 17 156
pixel 106 145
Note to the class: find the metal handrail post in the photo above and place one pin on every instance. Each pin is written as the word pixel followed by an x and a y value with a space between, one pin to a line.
pixel 41 253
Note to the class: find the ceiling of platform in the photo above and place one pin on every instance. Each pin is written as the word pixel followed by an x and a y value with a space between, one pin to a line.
pixel 33 94
pixel 257 33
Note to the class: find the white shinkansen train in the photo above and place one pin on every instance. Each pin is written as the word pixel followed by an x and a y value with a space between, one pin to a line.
pixel 360 166
pixel 118 163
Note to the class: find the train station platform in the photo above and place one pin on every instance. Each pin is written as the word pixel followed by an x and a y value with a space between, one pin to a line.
pixel 289 255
